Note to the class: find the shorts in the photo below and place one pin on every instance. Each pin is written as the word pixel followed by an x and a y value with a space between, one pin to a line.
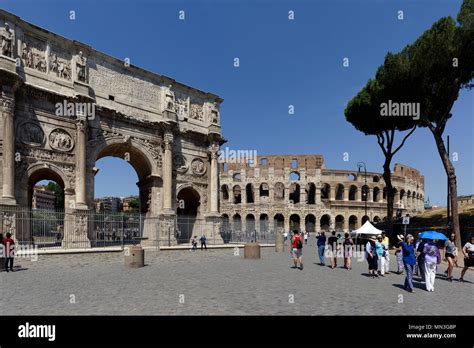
pixel 469 262
pixel 450 255
pixel 297 253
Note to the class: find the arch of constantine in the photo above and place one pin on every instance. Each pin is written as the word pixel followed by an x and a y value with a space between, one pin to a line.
pixel 280 192
pixel 65 105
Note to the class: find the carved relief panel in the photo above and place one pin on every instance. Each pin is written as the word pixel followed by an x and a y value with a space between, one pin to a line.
pixel 196 109
pixel 33 54
pixel 60 62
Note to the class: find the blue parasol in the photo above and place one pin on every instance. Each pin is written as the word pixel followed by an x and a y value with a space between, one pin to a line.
pixel 432 235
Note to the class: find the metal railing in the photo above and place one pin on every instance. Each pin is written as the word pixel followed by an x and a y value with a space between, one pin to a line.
pixel 72 229
pixel 75 229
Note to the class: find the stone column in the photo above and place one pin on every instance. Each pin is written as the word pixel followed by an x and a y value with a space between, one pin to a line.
pixel 81 141
pixel 8 156
pixel 346 225
pixel 302 194
pixel 359 194
pixel 370 193
pixel 396 199
pixel 287 223
pixel 168 174
pixel 318 195
pixel 332 193
pixel 346 193
pixel 243 194
pixel 318 224
pixel 380 196
pixel 214 177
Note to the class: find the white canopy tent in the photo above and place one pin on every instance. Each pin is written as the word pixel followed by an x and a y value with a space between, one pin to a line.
pixel 367 229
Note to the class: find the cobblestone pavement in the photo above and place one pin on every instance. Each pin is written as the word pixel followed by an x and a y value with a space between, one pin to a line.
pixel 217 282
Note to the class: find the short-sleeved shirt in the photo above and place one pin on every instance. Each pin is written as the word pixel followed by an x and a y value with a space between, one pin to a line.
pixel 450 247
pixel 470 249
pixel 408 253
pixel 379 248
pixel 332 242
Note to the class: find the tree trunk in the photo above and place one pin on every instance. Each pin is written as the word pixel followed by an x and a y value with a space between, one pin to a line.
pixel 450 172
pixel 387 176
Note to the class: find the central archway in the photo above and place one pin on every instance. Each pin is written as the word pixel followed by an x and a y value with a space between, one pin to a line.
pixel 188 209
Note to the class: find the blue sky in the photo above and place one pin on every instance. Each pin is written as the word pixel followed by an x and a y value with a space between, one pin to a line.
pixel 282 62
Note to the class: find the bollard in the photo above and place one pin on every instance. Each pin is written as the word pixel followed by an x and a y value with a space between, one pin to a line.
pixel 135 257
pixel 279 242
pixel 252 251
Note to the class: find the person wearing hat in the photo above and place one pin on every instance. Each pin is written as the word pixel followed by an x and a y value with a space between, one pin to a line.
pixel 409 261
pixel 399 254
pixel 371 256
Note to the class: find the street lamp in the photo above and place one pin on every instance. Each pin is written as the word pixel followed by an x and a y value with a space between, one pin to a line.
pixel 361 165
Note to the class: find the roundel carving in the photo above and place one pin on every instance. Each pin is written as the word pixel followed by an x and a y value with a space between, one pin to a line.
pixel 30 133
pixel 61 140
pixel 198 166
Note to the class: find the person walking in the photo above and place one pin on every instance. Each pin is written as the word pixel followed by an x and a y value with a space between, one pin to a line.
pixel 371 256
pixel 297 248
pixel 380 250
pixel 347 245
pixel 306 235
pixel 450 252
pixel 432 258
pixel 9 246
pixel 399 254
pixel 468 252
pixel 386 243
pixel 203 241
pixel 332 248
pixel 420 257
pixel 321 245
pixel 409 260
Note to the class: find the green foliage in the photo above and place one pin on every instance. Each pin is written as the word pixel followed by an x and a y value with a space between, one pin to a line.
pixel 391 83
pixel 59 194
pixel 134 203
pixel 431 71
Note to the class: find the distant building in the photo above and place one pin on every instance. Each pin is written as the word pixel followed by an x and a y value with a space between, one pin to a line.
pixel 126 203
pixel 108 204
pixel 43 198
pixel 428 204
pixel 465 200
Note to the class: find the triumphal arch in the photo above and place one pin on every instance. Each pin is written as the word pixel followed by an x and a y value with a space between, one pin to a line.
pixel 65 105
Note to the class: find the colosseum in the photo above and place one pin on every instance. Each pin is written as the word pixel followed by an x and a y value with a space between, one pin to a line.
pixel 282 192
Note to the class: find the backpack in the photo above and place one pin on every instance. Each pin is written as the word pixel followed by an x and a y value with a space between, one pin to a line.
pixel 299 244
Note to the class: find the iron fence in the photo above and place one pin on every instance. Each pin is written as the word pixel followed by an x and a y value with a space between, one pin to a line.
pixel 84 229
pixel 72 229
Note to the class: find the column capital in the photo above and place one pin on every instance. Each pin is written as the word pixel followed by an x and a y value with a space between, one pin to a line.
pixel 213 150
pixel 168 139
pixel 7 102
pixel 81 125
